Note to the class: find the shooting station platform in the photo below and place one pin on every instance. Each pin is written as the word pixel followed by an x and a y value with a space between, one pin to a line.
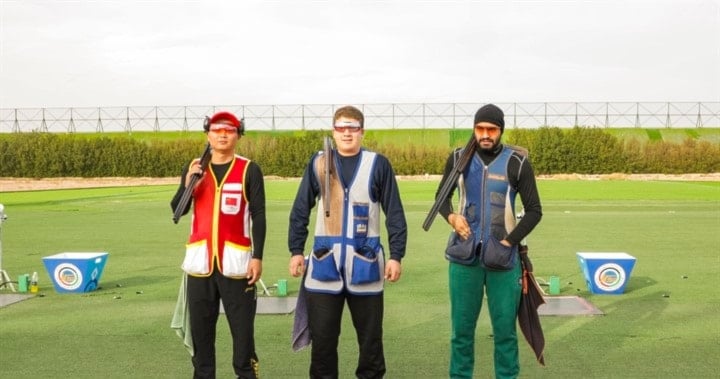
pixel 273 305
pixel 11 298
pixel 276 305
pixel 567 306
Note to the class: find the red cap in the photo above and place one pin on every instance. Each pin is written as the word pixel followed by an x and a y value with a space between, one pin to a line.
pixel 228 117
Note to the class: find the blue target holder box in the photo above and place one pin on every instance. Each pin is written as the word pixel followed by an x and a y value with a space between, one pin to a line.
pixel 606 272
pixel 75 272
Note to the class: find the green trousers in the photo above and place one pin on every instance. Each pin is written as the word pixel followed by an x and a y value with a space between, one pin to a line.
pixel 468 284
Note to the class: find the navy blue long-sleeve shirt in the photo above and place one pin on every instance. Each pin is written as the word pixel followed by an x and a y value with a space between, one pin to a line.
pixel 384 189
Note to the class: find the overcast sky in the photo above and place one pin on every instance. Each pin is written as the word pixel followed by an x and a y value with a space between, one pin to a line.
pixel 145 53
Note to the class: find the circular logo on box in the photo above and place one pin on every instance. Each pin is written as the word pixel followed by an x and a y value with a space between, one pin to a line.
pixel 68 276
pixel 609 277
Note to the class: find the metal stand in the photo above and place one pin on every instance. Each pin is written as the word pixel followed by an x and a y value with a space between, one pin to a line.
pixel 265 289
pixel 4 277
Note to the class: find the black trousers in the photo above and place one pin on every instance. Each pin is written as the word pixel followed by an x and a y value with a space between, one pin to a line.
pixel 239 302
pixel 325 316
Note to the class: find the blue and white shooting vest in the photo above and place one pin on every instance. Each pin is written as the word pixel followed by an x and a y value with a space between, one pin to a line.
pixel 487 201
pixel 347 253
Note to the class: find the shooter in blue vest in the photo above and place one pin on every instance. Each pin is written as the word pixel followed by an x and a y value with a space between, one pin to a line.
pixel 484 244
pixel 351 187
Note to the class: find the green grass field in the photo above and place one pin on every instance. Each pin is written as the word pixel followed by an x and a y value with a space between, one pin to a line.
pixel 666 325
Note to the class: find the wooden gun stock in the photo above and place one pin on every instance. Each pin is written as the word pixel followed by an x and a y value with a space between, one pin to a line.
pixel 329 168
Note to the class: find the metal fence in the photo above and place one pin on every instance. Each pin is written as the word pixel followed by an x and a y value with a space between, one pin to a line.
pixel 377 116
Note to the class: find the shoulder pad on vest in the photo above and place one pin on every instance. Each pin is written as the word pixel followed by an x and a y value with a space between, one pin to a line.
pixel 518 149
pixel 456 153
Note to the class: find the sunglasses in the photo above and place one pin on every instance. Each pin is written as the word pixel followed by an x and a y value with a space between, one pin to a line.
pixel 343 127
pixel 219 128
pixel 488 130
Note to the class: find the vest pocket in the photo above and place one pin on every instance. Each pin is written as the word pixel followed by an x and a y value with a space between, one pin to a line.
pixel 461 251
pixel 196 258
pixel 496 256
pixel 365 267
pixel 324 268
pixel 497 215
pixel 235 261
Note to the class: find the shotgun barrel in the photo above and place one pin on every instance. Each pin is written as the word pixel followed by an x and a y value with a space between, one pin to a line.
pixel 189 187
pixel 450 181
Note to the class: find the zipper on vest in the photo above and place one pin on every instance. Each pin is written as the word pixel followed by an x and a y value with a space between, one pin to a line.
pixel 343 239
pixel 483 195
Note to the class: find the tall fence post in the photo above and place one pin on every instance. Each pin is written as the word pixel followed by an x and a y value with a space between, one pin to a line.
pixel 43 124
pixel 16 124
pixel 156 125
pixel 576 114
pixel 99 126
pixel 392 115
pixel 424 125
pixel 128 127
pixel 699 123
pixel 607 116
pixel 71 125
pixel 454 116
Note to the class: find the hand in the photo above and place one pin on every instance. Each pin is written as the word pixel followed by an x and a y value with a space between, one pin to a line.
pixel 254 271
pixel 460 225
pixel 393 270
pixel 194 170
pixel 297 265
pixel 505 243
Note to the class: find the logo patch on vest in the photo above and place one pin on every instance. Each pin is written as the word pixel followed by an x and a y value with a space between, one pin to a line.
pixel 496 177
pixel 230 203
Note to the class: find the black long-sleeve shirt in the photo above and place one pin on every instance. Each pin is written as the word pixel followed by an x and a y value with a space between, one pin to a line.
pixel 520 176
pixel 254 188
pixel 384 189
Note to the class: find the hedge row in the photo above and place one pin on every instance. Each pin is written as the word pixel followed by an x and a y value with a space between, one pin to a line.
pixel 594 151
pixel 552 151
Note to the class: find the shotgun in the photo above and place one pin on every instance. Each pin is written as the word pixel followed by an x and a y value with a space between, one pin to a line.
pixel 329 168
pixel 450 181
pixel 189 187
